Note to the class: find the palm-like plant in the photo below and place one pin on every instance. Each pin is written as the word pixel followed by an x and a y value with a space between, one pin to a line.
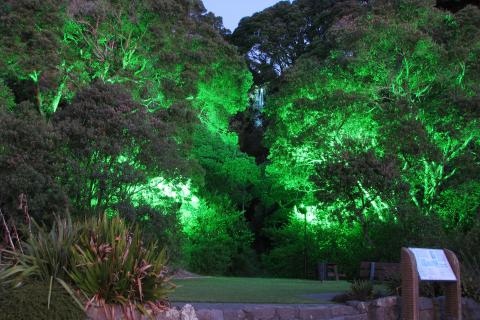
pixel 45 256
pixel 362 290
pixel 111 266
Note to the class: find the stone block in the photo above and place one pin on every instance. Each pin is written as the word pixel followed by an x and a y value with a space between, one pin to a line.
pixel 362 316
pixel 342 310
pixel 260 313
pixel 427 314
pixel 391 313
pixel 234 314
pixel 385 302
pixel 361 306
pixel 315 313
pixel 188 313
pixel 470 309
pixel 286 313
pixel 425 303
pixel 210 314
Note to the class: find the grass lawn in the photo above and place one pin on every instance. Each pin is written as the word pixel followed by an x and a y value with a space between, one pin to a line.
pixel 254 290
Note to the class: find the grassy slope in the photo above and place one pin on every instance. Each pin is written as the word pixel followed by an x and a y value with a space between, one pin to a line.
pixel 253 290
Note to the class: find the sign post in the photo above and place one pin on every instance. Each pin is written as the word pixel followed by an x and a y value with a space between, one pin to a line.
pixel 430 265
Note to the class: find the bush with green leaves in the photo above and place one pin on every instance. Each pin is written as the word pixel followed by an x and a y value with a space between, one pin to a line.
pixel 7 101
pixel 393 284
pixel 44 256
pixel 471 278
pixel 158 224
pixel 465 244
pixel 112 265
pixel 361 290
pixel 29 164
pixel 218 240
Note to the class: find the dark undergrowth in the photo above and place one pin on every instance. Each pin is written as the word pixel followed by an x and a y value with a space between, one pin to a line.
pixel 30 301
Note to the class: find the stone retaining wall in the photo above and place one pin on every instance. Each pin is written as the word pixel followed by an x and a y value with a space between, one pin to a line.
pixel 187 312
pixel 381 309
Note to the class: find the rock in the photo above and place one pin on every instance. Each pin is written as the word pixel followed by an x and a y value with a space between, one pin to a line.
pixel 188 313
pixel 391 313
pixel 234 314
pixel 385 302
pixel 286 313
pixel 470 309
pixel 114 312
pixel 170 314
pixel 387 308
pixel 427 314
pixel 210 314
pixel 342 310
pixel 361 306
pixel 363 316
pixel 94 313
pixel 315 313
pixel 260 313
pixel 425 303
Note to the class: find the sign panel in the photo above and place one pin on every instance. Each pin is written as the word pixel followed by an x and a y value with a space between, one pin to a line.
pixel 432 265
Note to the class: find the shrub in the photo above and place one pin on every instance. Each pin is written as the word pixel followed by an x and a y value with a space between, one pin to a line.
pixel 112 266
pixel 29 163
pixel 7 100
pixel 393 283
pixel 362 290
pixel 157 225
pixel 471 277
pixel 342 244
pixel 111 145
pixel 427 289
pixel 45 255
pixel 30 301
pixel 218 240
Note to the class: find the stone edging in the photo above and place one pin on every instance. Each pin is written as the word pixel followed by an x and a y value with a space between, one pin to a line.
pixel 387 308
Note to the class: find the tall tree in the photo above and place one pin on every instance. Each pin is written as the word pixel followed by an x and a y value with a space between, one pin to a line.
pixel 385 120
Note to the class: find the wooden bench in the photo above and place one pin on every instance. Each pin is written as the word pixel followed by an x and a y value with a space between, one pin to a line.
pixel 378 270
pixel 329 271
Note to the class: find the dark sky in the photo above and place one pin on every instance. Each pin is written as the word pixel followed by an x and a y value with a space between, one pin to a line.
pixel 234 10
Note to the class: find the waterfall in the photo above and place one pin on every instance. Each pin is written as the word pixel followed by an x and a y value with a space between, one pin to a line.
pixel 259 98
pixel 258 105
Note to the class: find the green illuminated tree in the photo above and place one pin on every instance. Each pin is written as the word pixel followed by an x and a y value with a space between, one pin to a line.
pixel 227 169
pixel 219 232
pixel 7 101
pixel 377 122
pixel 31 36
pixel 29 164
pixel 159 50
pixel 111 146
pixel 272 39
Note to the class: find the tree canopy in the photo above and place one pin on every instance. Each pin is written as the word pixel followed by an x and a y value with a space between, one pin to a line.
pixel 368 139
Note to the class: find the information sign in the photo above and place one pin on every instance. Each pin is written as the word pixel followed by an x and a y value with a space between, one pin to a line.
pixel 433 265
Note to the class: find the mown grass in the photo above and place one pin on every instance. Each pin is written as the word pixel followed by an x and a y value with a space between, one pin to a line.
pixel 254 290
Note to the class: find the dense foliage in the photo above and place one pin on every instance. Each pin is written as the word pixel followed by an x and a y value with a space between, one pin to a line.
pixel 376 129
pixel 111 265
pixel 369 139
pixel 45 255
pixel 112 106
pixel 100 261
pixel 31 300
